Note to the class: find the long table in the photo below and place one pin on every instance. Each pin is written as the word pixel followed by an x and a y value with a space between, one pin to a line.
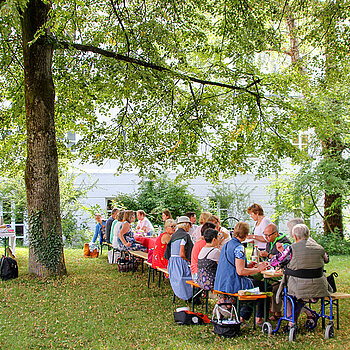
pixel 148 242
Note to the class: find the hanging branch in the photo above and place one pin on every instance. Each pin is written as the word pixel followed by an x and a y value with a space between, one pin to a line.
pixel 119 57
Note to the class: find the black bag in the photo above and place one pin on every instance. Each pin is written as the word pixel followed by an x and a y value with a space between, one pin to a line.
pixel 126 263
pixel 8 268
pixel 331 281
pixel 190 318
pixel 228 328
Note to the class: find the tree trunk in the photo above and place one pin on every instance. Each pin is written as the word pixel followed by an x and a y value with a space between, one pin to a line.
pixel 333 221
pixel 42 184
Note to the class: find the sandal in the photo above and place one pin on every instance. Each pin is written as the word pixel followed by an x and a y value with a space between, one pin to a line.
pixel 274 318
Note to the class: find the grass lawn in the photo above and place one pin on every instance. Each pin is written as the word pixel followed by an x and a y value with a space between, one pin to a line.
pixel 96 307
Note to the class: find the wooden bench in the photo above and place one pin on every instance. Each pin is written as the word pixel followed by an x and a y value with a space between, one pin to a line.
pixel 162 272
pixel 139 254
pixel 336 297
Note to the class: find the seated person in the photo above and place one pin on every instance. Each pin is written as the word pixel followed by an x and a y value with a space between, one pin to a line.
pixel 144 224
pixel 166 215
pixel 233 269
pixel 158 259
pixel 208 260
pixel 224 234
pixel 116 227
pixel 126 240
pixel 197 248
pixel 178 252
pixel 274 240
pixel 203 218
pixel 109 224
pixel 192 216
pixel 273 237
pixel 303 263
pixel 99 229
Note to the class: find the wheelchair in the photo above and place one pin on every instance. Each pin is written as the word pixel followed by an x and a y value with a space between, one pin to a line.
pixel 310 324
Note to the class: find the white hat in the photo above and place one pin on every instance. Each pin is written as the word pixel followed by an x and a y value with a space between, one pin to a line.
pixel 183 219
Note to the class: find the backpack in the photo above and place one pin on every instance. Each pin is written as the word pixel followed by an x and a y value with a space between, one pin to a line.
pixel 8 268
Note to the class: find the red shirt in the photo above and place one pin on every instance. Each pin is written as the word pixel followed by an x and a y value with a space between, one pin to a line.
pixel 158 259
pixel 194 256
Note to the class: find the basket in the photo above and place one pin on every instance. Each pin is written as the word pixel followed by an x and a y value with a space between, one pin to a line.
pixel 225 327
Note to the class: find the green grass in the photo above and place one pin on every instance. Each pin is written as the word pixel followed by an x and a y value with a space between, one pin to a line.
pixel 96 307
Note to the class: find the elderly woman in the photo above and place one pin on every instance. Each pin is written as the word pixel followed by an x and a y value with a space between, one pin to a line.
pixel 158 259
pixel 178 252
pixel 126 240
pixel 303 263
pixel 232 271
pixel 203 218
pixel 257 214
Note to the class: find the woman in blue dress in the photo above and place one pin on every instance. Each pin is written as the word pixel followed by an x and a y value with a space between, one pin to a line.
pixel 178 252
pixel 232 271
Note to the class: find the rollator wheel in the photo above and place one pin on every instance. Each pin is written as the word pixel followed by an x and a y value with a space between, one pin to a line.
pixel 292 334
pixel 267 328
pixel 329 333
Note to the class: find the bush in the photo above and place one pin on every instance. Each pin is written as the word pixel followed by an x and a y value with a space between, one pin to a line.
pixel 154 196
pixel 333 244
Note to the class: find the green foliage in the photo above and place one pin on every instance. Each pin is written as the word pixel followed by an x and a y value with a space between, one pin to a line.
pixel 74 229
pixel 157 194
pixel 232 197
pixel 47 247
pixel 334 244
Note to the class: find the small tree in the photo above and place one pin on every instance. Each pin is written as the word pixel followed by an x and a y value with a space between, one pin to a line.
pixel 158 194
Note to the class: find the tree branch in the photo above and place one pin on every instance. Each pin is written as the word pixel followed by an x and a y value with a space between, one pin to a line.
pixel 122 25
pixel 119 57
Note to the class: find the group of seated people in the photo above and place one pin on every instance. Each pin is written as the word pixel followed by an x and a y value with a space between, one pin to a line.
pixel 207 254
pixel 117 229
pixel 215 261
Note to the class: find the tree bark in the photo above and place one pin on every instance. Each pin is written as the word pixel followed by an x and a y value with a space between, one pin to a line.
pixel 41 177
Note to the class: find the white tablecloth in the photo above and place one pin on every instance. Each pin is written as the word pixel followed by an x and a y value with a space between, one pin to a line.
pixel 4 233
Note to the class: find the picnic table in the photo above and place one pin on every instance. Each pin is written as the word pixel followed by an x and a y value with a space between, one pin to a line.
pixel 148 242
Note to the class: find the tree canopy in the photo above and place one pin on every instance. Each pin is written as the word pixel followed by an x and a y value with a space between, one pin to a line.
pixel 199 87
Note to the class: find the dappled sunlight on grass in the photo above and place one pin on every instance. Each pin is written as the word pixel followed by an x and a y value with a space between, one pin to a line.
pixel 96 307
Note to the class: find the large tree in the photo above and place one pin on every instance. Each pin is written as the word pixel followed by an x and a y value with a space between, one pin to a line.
pixel 186 86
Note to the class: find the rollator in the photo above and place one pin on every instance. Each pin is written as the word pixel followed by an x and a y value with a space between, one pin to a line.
pixel 296 307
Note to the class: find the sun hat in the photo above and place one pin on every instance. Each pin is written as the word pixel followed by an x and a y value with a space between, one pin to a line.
pixel 183 219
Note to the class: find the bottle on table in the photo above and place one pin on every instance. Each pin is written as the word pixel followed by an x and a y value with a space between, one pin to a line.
pixel 255 254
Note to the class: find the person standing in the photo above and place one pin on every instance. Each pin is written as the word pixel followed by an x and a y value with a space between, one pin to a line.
pixel 178 252
pixel 261 222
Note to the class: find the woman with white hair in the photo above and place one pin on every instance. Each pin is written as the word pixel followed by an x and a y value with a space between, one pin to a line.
pixel 303 264
pixel 178 252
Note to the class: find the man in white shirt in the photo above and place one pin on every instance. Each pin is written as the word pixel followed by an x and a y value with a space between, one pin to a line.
pixel 144 224
pixel 192 216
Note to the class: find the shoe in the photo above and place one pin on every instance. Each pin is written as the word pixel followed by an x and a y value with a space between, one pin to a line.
pixel 259 321
pixel 274 318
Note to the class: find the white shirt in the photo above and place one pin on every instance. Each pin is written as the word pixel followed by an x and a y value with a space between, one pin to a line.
pixel 259 231
pixel 145 223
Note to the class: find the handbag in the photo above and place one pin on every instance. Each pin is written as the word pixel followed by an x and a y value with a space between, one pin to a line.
pixel 190 318
pixel 225 327
pixel 125 263
pixel 331 281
